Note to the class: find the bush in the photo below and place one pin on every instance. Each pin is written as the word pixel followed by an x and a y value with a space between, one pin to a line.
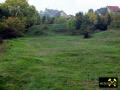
pixel 10 33
pixel 12 27
pixel 38 30
pixel 15 23
pixel 1 40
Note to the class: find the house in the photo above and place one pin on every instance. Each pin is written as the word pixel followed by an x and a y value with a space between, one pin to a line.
pixel 109 9
pixel 101 11
pixel 52 13
pixel 113 9
pixel 63 14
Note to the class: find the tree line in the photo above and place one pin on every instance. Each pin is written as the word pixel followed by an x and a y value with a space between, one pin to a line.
pixel 16 16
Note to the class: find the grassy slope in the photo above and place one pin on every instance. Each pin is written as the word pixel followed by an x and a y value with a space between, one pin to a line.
pixel 60 62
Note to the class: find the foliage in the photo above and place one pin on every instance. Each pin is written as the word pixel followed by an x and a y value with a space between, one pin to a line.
pixel 103 21
pixel 60 20
pixel 79 19
pixel 47 20
pixel 15 23
pixel 32 16
pixel 12 27
pixel 92 16
pixel 71 23
pixel 115 20
pixel 16 7
pixel 21 9
pixel 16 15
pixel 92 21
pixel 4 13
pixel 85 22
pixel 38 30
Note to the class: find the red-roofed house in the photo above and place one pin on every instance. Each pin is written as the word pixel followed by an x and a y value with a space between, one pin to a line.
pixel 113 9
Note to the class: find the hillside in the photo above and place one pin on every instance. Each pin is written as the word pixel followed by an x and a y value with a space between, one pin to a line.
pixel 59 62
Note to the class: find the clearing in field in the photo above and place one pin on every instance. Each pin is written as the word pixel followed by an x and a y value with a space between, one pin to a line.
pixel 59 62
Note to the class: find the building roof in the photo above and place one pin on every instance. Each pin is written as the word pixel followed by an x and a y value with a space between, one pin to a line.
pixel 114 8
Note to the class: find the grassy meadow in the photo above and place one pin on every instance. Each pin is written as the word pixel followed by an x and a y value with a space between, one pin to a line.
pixel 59 62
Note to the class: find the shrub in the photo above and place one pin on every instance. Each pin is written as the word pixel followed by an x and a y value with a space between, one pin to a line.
pixel 37 30
pixel 12 27
pixel 15 23
pixel 115 21
pixel 1 40
pixel 10 33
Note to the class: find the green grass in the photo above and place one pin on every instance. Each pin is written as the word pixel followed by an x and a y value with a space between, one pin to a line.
pixel 46 29
pixel 60 62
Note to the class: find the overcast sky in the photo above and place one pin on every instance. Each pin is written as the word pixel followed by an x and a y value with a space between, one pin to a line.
pixel 72 6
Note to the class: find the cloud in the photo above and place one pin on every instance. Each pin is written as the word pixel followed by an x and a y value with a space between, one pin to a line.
pixel 1 1
pixel 72 6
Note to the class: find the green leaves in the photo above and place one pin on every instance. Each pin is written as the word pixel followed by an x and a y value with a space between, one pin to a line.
pixel 21 8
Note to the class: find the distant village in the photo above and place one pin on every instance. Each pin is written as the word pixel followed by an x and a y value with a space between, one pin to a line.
pixel 109 9
pixel 100 11
pixel 53 13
